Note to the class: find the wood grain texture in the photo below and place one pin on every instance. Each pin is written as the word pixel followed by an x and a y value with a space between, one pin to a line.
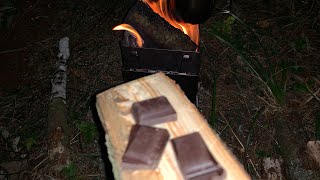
pixel 114 106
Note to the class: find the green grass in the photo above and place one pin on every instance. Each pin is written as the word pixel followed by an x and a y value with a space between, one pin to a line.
pixel 273 75
pixel 30 142
pixel 70 171
pixel 88 130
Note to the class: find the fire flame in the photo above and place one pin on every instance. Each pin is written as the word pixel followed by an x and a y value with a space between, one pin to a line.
pixel 129 28
pixel 162 8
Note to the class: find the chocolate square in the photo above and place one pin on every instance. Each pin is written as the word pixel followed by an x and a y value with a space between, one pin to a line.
pixel 153 111
pixel 195 160
pixel 145 147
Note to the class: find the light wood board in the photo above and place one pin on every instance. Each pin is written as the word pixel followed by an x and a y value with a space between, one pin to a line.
pixel 114 106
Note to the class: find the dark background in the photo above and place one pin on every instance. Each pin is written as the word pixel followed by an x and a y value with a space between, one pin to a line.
pixel 282 36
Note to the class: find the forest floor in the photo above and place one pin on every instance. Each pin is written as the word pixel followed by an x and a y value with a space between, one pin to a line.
pixel 283 38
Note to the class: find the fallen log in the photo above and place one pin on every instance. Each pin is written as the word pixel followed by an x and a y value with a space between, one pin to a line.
pixel 57 115
pixel 155 31
pixel 114 109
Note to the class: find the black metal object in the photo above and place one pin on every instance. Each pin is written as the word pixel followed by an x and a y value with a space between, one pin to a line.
pixel 223 6
pixel 198 11
pixel 181 66
pixel 193 11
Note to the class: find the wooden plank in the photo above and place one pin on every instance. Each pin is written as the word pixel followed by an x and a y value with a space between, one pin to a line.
pixel 114 107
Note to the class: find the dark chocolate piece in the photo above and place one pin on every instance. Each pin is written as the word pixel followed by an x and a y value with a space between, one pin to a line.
pixel 153 111
pixel 195 160
pixel 145 147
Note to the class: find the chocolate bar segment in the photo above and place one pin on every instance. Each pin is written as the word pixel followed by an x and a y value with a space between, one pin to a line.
pixel 153 111
pixel 195 160
pixel 145 147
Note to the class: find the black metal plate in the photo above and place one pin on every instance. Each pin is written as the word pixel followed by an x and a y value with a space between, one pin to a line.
pixel 161 60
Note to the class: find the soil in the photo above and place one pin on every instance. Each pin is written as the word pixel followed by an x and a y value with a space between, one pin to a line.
pixel 245 112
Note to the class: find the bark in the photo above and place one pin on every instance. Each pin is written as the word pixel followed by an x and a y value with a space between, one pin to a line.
pixel 155 31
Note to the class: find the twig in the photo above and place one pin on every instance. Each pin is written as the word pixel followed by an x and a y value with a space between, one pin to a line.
pixel 243 148
pixel 253 166
pixel 70 142
pixel 223 52
pixel 311 97
pixel 316 80
pixel 94 175
pixel 40 163
pixel 314 95
pixel 50 177
pixel 307 114
pixel 73 142
pixel 269 133
pixel 267 102
pixel 12 50
pixel 223 130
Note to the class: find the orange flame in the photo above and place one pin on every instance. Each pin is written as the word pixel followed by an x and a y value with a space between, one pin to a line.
pixel 161 7
pixel 129 28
